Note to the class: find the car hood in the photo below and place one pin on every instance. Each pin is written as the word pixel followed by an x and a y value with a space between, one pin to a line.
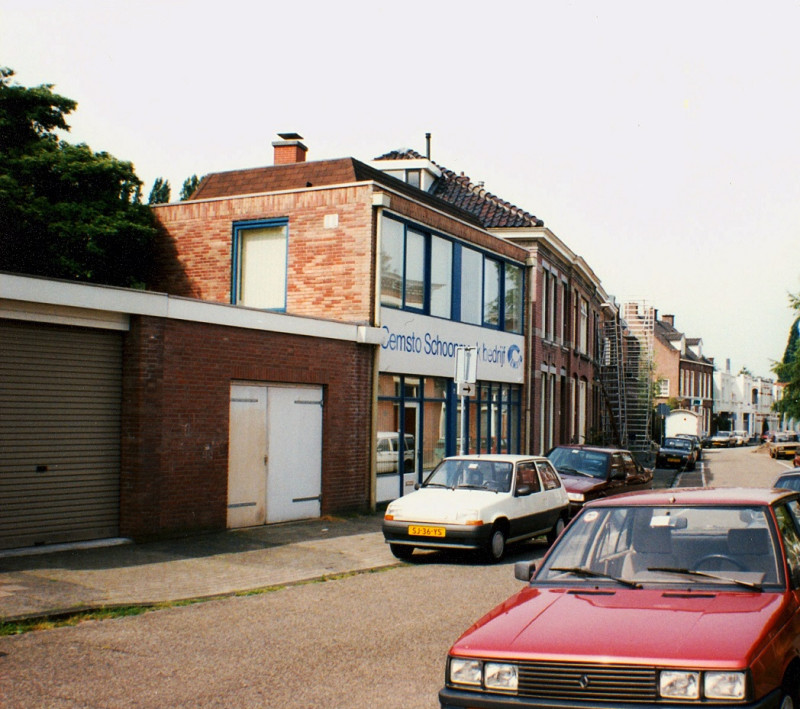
pixel 638 626
pixel 443 504
pixel 579 483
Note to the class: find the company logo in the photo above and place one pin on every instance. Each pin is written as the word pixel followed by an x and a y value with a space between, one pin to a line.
pixel 514 357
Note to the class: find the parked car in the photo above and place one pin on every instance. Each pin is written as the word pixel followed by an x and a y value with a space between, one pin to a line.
pixel 697 444
pixel 721 439
pixel 740 438
pixel 479 502
pixel 389 455
pixel 590 472
pixel 790 480
pixel 785 445
pixel 668 598
pixel 676 453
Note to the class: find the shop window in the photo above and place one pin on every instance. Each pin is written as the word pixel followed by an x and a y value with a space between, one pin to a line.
pixel 260 255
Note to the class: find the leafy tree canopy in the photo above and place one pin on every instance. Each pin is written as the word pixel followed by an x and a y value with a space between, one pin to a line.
pixel 160 193
pixel 788 369
pixel 189 186
pixel 65 211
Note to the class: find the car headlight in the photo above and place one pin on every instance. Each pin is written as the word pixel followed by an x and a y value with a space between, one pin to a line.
pixel 465 671
pixel 576 496
pixel 493 676
pixel 468 517
pixel 679 685
pixel 724 685
pixel 500 676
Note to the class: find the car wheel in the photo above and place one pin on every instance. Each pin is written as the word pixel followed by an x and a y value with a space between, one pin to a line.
pixel 401 551
pixel 496 547
pixel 555 532
pixel 789 695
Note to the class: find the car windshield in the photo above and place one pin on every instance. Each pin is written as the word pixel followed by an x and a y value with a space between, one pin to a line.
pixel 684 547
pixel 684 443
pixel 471 474
pixel 572 461
pixel 788 482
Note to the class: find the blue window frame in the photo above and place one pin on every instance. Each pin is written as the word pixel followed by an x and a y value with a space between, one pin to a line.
pixel 260 257
pixel 428 273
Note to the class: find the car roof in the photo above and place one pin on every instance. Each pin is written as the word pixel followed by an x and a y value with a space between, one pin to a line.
pixel 497 457
pixel 793 473
pixel 688 496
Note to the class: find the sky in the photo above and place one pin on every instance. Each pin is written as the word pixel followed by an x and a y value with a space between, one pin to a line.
pixel 659 141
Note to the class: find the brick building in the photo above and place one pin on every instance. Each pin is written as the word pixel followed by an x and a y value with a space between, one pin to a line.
pixel 566 306
pixel 683 374
pixel 344 240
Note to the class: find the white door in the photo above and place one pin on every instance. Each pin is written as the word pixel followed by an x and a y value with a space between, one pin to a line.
pixel 294 477
pixel 247 456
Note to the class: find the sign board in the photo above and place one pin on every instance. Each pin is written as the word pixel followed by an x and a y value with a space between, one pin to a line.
pixel 466 365
pixel 466 388
pixel 663 409
pixel 424 345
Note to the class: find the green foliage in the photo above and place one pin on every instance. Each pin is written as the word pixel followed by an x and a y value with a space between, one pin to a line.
pixel 160 193
pixel 189 186
pixel 788 369
pixel 65 211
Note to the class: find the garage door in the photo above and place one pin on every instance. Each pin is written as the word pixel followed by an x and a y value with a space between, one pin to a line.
pixel 60 397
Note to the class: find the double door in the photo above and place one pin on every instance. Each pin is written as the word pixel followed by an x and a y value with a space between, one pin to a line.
pixel 274 454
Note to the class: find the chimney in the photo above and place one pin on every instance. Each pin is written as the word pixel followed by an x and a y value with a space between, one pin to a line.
pixel 669 319
pixel 289 149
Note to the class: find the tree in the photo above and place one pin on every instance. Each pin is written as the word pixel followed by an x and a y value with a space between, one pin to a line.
pixel 65 211
pixel 160 193
pixel 189 186
pixel 788 369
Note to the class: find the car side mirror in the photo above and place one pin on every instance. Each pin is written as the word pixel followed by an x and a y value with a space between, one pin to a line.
pixel 523 490
pixel 417 486
pixel 523 570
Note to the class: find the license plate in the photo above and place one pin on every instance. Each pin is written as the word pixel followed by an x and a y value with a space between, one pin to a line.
pixel 420 531
pixel 673 460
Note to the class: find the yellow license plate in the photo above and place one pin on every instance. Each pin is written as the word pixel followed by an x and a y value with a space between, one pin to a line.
pixel 420 531
pixel 673 460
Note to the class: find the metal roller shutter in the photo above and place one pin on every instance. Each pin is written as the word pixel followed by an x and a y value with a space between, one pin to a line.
pixel 60 398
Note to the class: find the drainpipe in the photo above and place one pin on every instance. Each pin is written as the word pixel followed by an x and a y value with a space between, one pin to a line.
pixel 380 201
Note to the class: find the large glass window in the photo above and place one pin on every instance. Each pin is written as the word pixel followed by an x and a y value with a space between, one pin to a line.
pixel 392 252
pixel 441 277
pixel 428 410
pixel 260 254
pixel 471 286
pixel 513 298
pixel 492 271
pixel 415 270
pixel 429 273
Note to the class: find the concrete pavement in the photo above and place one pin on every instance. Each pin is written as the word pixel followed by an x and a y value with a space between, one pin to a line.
pixel 48 582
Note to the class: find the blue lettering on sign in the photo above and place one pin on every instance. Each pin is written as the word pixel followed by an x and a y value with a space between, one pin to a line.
pixel 433 345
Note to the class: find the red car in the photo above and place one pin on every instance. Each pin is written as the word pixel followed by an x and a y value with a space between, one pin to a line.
pixel 670 598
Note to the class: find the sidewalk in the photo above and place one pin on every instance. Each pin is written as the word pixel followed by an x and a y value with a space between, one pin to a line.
pixel 52 582
pixel 56 582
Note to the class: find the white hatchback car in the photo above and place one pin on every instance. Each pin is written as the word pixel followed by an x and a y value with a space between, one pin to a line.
pixel 479 502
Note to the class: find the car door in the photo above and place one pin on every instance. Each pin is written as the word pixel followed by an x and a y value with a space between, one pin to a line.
pixel 636 476
pixel 534 502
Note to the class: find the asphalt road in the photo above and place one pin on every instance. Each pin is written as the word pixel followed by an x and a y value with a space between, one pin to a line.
pixel 376 640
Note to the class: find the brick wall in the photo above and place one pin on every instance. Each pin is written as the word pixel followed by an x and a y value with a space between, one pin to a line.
pixel 330 268
pixel 176 391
